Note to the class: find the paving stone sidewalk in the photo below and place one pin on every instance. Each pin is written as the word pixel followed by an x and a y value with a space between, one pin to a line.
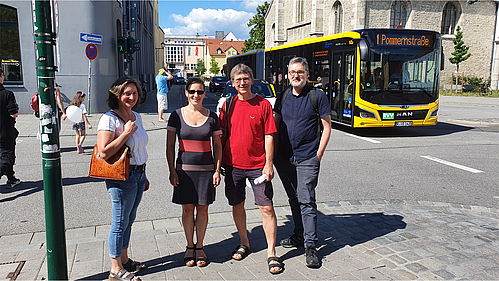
pixel 360 240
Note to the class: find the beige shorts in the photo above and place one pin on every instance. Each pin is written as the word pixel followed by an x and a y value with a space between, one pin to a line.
pixel 162 102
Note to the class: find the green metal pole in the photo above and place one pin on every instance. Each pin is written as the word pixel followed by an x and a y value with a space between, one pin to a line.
pixel 51 157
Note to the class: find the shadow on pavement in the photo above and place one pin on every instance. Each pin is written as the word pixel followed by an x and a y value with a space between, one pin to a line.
pixel 335 232
pixel 440 129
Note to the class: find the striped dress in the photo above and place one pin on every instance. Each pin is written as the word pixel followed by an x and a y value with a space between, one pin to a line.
pixel 194 165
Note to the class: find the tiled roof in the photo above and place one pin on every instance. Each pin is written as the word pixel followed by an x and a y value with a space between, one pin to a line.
pixel 214 44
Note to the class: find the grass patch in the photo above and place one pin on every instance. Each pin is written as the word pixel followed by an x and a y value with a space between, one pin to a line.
pixel 492 94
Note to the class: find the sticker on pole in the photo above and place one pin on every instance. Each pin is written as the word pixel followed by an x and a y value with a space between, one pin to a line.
pixel 91 51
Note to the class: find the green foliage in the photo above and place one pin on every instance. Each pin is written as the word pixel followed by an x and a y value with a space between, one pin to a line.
pixel 214 66
pixel 471 80
pixel 257 32
pixel 460 53
pixel 200 68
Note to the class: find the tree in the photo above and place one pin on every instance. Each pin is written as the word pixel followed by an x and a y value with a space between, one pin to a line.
pixel 214 66
pixel 460 53
pixel 257 32
pixel 200 68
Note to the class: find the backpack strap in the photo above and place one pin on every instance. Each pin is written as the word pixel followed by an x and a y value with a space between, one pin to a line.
pixel 227 104
pixel 283 97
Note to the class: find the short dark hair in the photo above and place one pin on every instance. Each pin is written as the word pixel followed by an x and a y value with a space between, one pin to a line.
pixel 194 80
pixel 1 71
pixel 117 90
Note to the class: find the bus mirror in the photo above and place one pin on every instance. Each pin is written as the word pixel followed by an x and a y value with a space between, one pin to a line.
pixel 363 49
pixel 442 59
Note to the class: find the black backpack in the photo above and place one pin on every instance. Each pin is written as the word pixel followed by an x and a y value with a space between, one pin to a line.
pixel 312 94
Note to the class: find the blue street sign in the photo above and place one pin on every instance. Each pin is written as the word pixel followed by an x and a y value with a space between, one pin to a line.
pixel 90 38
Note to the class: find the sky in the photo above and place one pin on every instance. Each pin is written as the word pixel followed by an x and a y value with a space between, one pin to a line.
pixel 190 17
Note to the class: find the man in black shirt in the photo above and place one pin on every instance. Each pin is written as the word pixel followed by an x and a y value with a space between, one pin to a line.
pixel 9 110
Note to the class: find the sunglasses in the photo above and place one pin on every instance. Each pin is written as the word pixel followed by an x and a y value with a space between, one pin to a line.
pixel 199 92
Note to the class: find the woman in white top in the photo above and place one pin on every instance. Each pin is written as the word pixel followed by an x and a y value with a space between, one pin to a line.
pixel 79 127
pixel 113 133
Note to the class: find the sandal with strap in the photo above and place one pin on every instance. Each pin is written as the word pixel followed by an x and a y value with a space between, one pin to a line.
pixel 200 262
pixel 241 253
pixel 278 264
pixel 187 260
pixel 120 276
pixel 133 266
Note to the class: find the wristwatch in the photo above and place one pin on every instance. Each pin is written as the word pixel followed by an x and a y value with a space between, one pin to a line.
pixel 217 170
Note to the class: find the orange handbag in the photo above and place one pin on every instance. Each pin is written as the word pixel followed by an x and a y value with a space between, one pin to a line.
pixel 114 168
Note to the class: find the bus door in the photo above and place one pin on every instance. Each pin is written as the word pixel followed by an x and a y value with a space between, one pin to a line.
pixel 342 86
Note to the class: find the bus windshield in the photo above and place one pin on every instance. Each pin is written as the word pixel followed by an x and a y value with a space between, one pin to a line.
pixel 396 76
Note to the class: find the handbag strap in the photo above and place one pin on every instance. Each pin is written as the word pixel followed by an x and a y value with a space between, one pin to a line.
pixel 117 115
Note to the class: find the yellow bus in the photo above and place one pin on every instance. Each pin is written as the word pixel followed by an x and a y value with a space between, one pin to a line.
pixel 372 77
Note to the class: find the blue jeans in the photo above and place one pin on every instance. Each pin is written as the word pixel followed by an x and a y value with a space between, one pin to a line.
pixel 300 180
pixel 125 196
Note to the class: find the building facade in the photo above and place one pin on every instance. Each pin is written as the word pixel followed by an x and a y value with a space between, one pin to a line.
pixel 109 19
pixel 183 52
pixel 220 49
pixel 290 20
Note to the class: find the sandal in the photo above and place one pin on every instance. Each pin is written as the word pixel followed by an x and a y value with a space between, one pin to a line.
pixel 275 265
pixel 133 266
pixel 120 276
pixel 200 262
pixel 188 260
pixel 241 253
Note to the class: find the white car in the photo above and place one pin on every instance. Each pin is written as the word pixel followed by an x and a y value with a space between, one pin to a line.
pixel 261 88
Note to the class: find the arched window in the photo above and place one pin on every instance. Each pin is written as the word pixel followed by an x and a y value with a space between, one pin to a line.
pixel 338 17
pixel 449 18
pixel 10 49
pixel 398 15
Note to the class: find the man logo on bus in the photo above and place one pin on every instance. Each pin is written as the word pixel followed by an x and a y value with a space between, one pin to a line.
pixel 390 115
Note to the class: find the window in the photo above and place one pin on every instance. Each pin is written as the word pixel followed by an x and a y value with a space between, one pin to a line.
pixel 398 15
pixel 10 50
pixel 449 18
pixel 338 17
pixel 174 54
pixel 300 13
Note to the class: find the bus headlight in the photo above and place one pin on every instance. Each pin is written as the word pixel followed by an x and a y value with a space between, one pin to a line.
pixel 434 113
pixel 363 113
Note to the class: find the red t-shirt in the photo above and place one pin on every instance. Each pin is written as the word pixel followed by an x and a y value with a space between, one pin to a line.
pixel 249 122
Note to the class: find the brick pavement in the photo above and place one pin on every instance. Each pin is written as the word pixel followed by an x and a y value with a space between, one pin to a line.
pixel 360 240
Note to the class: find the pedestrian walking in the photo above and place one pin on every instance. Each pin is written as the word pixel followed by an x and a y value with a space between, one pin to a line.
pixel 79 127
pixel 122 125
pixel 299 113
pixel 162 85
pixel 248 126
pixel 9 111
pixel 197 170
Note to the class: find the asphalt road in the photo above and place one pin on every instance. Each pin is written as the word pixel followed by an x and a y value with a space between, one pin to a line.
pixel 403 163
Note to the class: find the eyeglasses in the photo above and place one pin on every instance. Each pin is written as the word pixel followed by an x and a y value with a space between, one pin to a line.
pixel 239 80
pixel 199 92
pixel 299 72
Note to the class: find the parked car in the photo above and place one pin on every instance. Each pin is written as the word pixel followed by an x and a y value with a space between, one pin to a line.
pixel 259 87
pixel 217 84
pixel 180 80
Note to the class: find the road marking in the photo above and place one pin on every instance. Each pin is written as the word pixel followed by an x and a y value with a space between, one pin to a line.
pixel 452 164
pixel 363 138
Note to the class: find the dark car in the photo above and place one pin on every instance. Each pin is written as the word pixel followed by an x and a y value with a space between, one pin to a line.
pixel 217 83
pixel 180 80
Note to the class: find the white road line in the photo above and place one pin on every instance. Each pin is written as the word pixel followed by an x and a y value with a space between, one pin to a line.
pixel 452 164
pixel 363 138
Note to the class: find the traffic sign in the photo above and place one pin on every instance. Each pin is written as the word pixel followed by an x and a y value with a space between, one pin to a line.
pixel 90 38
pixel 91 51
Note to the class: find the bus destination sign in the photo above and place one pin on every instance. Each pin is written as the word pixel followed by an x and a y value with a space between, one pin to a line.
pixel 404 40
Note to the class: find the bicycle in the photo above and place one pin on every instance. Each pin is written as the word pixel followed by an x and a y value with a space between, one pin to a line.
pixel 144 91
pixel 485 90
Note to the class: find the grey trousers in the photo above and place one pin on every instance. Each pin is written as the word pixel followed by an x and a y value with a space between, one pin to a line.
pixel 300 180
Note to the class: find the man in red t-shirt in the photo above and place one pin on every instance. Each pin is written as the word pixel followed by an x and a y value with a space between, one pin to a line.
pixel 248 154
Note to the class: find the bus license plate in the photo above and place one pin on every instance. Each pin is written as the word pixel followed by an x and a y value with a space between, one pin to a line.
pixel 403 124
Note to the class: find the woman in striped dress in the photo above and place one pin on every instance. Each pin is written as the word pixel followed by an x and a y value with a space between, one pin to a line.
pixel 196 172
